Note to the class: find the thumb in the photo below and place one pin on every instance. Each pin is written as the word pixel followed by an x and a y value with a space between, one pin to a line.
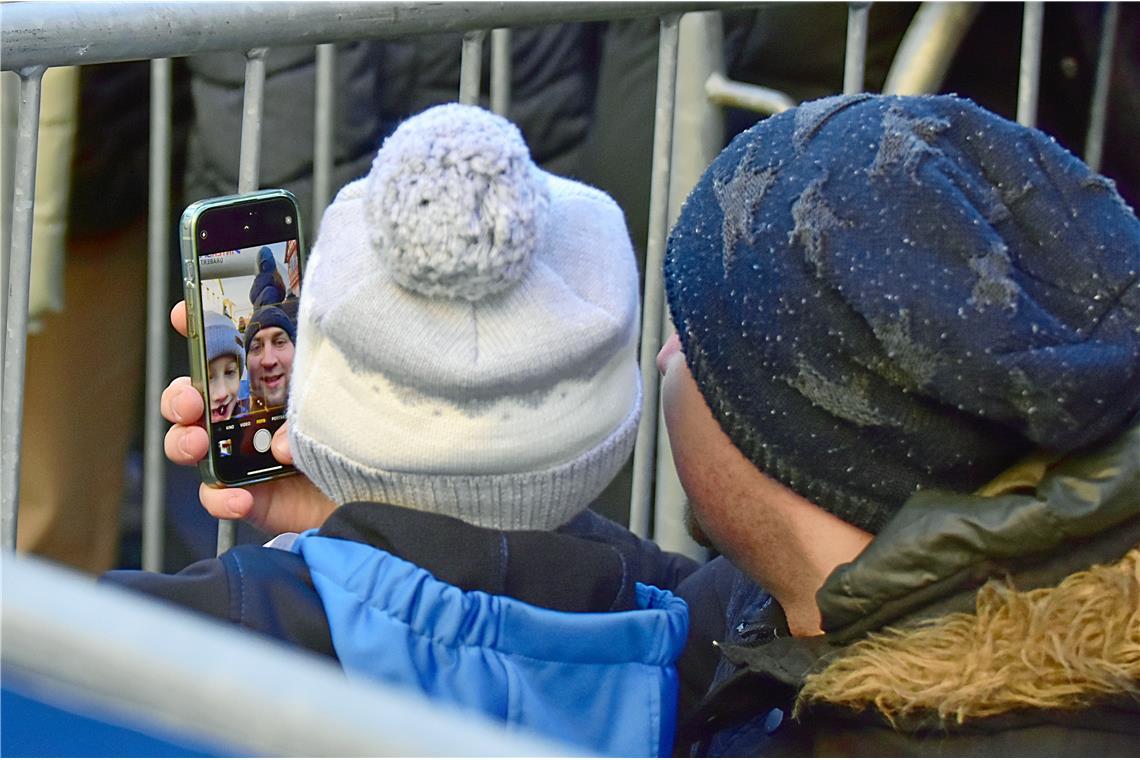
pixel 281 449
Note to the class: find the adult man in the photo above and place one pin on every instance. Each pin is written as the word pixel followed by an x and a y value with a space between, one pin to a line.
pixel 908 361
pixel 910 364
pixel 269 340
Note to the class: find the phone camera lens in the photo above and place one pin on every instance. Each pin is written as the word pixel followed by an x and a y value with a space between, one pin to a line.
pixel 202 234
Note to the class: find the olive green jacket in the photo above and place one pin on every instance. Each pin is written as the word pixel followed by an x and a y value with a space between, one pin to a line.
pixel 970 625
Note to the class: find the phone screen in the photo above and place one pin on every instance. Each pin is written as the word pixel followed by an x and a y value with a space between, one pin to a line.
pixel 249 285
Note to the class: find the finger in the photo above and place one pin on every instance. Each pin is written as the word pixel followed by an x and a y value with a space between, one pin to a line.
pixel 282 452
pixel 185 445
pixel 178 318
pixel 180 403
pixel 226 503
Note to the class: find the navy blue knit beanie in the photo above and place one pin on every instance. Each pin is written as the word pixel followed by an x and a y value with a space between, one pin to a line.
pixel 269 316
pixel 882 294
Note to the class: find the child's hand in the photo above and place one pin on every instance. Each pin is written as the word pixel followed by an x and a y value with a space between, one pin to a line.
pixel 276 506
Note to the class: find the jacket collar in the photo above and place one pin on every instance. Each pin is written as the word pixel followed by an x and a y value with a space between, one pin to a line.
pixel 548 569
pixel 1037 523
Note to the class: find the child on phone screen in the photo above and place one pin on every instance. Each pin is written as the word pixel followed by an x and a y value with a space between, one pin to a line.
pixel 464 384
pixel 225 354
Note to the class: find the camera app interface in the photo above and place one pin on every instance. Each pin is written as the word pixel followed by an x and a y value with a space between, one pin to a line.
pixel 249 300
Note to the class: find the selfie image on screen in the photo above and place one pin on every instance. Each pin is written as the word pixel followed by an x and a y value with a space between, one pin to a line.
pixel 249 303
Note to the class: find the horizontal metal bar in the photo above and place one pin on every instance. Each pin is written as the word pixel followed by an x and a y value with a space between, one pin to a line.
pixel 59 34
pixel 177 673
pixel 728 92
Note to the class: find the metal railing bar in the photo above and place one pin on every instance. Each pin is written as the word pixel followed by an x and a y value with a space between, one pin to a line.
pixel 471 67
pixel 158 273
pixel 249 161
pixel 1029 77
pixel 180 674
pixel 323 128
pixel 249 166
pixel 1098 111
pixel 501 71
pixel 855 55
pixel 928 47
pixel 16 321
pixel 722 91
pixel 61 33
pixel 9 112
pixel 652 309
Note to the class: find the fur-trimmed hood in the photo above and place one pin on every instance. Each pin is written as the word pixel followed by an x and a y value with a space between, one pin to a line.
pixel 1023 596
pixel 1005 622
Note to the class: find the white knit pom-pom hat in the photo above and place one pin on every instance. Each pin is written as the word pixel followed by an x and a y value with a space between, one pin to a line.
pixel 467 333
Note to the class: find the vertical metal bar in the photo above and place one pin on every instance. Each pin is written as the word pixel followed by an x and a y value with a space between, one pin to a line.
pixel 471 67
pixel 928 47
pixel 855 61
pixel 1030 74
pixel 249 162
pixel 9 113
pixel 698 136
pixel 249 166
pixel 158 272
pixel 501 71
pixel 643 455
pixel 323 127
pixel 19 280
pixel 1098 113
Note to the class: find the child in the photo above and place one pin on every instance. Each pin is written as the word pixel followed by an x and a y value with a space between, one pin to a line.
pixel 465 383
pixel 225 355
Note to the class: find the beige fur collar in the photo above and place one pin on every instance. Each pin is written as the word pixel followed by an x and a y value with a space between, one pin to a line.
pixel 1062 647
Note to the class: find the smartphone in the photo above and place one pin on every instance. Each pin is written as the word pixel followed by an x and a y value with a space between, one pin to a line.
pixel 243 258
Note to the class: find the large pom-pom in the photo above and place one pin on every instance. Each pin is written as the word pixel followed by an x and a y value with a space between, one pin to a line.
pixel 457 206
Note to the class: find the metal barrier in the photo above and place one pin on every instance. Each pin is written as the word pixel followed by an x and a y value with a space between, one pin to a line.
pixel 41 35
pixel 111 655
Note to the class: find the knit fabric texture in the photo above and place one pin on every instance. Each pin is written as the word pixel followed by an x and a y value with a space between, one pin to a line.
pixel 467 332
pixel 223 338
pixel 877 295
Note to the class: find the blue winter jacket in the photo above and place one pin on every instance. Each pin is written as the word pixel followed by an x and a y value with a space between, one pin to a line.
pixel 604 680
pixel 558 632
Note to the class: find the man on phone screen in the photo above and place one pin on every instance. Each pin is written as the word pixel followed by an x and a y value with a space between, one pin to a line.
pixel 269 338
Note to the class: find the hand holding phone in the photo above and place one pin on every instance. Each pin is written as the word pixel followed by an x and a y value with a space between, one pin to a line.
pixel 243 259
pixel 277 506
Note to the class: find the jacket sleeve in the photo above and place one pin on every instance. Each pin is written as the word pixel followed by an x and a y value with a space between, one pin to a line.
pixel 203 587
pixel 264 590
